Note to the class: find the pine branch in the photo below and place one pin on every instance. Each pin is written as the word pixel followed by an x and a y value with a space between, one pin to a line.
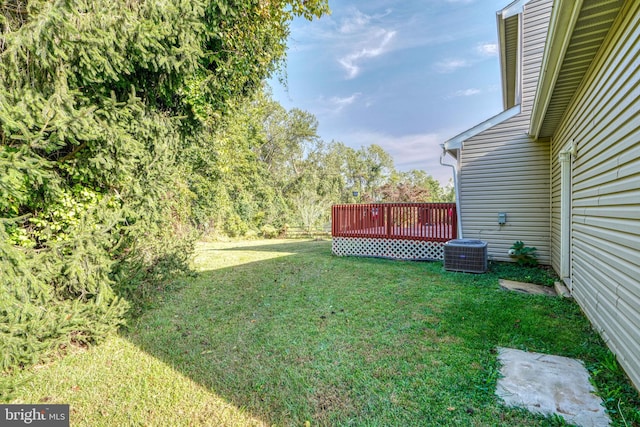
pixel 16 219
pixel 73 153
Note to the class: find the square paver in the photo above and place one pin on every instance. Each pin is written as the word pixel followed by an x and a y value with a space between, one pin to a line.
pixel 548 385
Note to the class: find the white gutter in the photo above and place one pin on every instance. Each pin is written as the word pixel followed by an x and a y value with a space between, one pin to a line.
pixel 455 188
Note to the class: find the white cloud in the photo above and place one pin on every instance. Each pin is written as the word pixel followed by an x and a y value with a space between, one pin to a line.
pixel 353 38
pixel 464 92
pixel 374 47
pixel 330 106
pixel 339 103
pixel 356 21
pixel 413 151
pixel 451 65
pixel 487 49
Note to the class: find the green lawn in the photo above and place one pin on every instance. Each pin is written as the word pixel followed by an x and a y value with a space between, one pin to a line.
pixel 284 333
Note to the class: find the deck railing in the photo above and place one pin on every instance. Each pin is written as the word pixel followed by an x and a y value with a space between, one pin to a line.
pixel 434 222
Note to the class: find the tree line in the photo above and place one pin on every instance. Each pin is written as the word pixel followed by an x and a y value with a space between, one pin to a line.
pixel 129 129
pixel 272 171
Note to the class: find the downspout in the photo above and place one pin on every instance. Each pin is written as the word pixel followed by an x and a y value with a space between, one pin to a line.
pixel 455 188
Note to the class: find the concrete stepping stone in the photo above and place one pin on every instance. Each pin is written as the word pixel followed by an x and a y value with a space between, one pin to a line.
pixel 527 288
pixel 547 384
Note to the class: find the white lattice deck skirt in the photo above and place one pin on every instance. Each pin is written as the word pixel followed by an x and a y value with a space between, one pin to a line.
pixel 416 250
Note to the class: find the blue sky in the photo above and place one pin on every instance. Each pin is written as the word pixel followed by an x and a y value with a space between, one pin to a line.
pixel 406 75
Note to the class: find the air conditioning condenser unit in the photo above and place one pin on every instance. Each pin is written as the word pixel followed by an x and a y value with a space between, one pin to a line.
pixel 466 255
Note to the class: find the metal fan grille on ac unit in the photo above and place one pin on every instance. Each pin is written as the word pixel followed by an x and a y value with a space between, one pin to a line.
pixel 466 255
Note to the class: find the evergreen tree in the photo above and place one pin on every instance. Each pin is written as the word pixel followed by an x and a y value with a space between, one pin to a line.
pixel 98 99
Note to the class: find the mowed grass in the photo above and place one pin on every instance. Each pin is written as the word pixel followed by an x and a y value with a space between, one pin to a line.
pixel 284 333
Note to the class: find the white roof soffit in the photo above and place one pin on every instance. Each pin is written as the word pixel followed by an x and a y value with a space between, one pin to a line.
pixel 457 141
pixel 564 16
pixel 576 33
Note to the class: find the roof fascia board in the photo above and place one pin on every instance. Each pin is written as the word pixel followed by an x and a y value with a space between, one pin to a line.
pixel 457 141
pixel 513 9
pixel 564 16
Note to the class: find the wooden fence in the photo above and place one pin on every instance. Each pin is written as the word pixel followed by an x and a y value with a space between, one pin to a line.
pixel 433 222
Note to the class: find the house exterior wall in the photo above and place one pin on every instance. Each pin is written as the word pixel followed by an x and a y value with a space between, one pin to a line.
pixel 603 121
pixel 502 169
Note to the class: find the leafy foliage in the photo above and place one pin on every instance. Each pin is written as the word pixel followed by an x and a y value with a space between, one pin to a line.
pixel 98 102
pixel 129 128
pixel 415 186
pixel 266 166
pixel 524 255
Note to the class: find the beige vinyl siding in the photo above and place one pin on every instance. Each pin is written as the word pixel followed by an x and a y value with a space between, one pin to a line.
pixel 503 170
pixel 536 24
pixel 603 120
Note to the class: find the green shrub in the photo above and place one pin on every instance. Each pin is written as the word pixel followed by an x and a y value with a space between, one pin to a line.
pixel 524 255
pixel 53 297
pixel 251 234
pixel 234 226
pixel 269 231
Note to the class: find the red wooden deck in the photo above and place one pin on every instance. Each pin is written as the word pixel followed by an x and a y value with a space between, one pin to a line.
pixel 434 222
